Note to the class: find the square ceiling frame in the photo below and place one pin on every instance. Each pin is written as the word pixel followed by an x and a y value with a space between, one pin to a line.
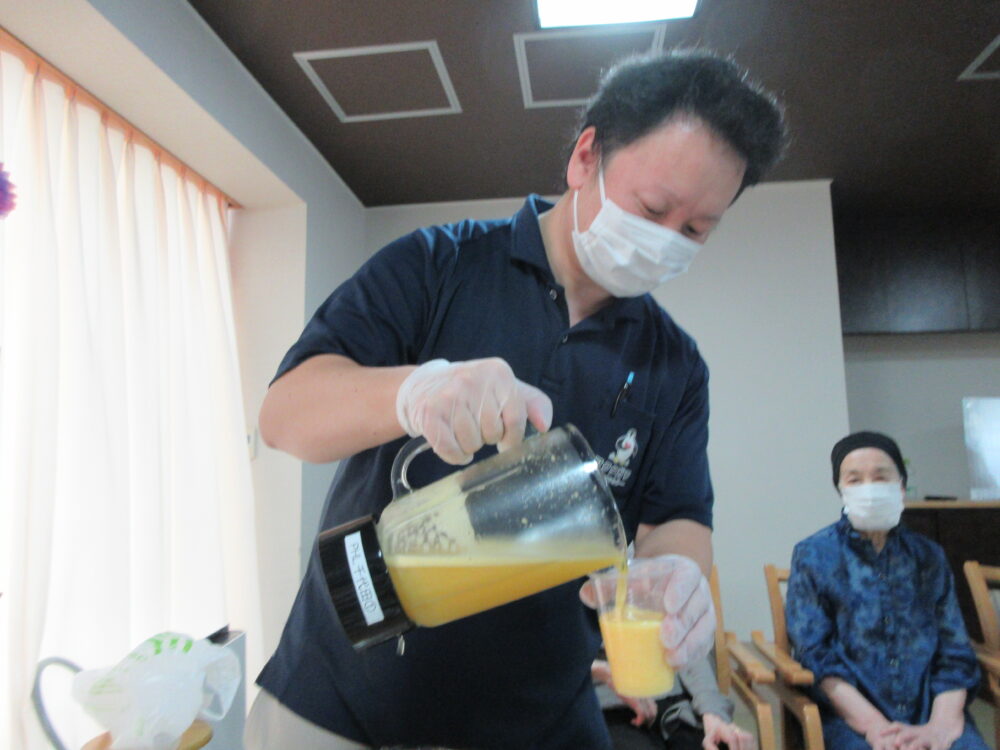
pixel 972 73
pixel 524 73
pixel 304 59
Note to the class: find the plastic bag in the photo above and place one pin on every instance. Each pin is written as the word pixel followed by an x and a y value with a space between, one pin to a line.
pixel 151 696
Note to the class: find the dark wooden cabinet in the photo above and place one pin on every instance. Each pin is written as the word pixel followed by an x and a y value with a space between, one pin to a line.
pixel 967 531
pixel 919 274
pixel 982 276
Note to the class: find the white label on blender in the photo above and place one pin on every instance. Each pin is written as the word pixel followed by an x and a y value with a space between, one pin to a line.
pixel 362 578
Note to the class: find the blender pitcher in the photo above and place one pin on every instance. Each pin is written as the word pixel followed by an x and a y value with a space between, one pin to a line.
pixel 506 527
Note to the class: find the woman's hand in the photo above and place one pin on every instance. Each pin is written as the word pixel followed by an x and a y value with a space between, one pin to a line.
pixel 717 730
pixel 882 736
pixel 937 734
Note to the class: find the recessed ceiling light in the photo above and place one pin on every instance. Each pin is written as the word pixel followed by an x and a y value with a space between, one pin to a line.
pixel 553 13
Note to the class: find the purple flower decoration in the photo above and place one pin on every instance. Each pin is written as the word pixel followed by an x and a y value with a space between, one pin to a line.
pixel 7 197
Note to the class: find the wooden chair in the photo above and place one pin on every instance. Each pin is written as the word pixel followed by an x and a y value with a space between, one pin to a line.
pixel 981 579
pixel 737 669
pixel 801 728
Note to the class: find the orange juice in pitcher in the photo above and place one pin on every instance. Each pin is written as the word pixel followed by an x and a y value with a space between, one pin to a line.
pixel 520 522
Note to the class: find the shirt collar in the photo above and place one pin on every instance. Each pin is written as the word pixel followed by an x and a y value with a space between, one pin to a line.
pixel 527 246
pixel 856 540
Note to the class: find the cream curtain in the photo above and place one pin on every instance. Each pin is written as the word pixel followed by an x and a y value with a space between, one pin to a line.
pixel 126 505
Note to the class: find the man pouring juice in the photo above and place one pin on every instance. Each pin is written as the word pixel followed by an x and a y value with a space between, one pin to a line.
pixel 466 333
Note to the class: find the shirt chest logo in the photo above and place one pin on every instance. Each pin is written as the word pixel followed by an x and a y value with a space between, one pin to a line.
pixel 615 466
pixel 625 448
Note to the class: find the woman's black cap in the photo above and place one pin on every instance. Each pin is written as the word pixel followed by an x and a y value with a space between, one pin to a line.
pixel 866 440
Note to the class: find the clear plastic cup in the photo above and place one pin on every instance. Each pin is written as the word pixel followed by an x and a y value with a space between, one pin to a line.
pixel 631 617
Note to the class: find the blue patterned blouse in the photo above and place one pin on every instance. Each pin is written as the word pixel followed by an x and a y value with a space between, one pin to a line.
pixel 888 623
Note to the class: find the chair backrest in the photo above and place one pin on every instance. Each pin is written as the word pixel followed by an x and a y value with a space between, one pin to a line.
pixel 722 668
pixel 981 579
pixel 776 578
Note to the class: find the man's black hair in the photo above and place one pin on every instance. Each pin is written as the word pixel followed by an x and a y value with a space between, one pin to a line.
pixel 640 93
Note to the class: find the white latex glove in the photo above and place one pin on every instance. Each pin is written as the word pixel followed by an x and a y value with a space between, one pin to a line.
pixel 461 406
pixel 688 629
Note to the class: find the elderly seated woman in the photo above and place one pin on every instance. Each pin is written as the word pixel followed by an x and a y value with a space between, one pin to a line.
pixel 871 610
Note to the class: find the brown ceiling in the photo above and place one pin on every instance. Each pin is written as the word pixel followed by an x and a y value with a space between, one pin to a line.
pixel 871 90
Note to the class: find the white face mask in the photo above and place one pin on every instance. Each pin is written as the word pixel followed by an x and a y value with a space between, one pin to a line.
pixel 627 254
pixel 875 506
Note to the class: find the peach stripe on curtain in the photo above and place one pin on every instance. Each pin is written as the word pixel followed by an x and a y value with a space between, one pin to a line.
pixel 126 504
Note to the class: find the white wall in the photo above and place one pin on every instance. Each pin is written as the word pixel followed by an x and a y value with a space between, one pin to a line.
pixel 761 301
pixel 268 259
pixel 911 387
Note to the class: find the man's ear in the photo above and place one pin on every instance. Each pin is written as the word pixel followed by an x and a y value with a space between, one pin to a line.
pixel 584 161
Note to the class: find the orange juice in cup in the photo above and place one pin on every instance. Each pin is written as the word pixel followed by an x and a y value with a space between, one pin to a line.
pixel 635 653
pixel 630 612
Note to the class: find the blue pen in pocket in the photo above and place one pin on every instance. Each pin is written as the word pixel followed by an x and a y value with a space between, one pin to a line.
pixel 623 392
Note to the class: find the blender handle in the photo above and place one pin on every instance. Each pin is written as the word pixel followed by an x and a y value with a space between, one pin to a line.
pixel 413 448
pixel 409 451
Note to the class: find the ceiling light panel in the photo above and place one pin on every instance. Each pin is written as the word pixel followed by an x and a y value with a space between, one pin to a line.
pixel 556 13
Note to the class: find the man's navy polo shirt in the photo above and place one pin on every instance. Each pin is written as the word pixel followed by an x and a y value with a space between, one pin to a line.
pixel 517 676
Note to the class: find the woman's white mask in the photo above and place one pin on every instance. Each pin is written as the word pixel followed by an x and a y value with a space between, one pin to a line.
pixel 627 254
pixel 874 506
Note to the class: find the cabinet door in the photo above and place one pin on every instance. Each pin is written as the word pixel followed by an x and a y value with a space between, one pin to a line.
pixel 982 273
pixel 923 521
pixel 969 534
pixel 900 275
